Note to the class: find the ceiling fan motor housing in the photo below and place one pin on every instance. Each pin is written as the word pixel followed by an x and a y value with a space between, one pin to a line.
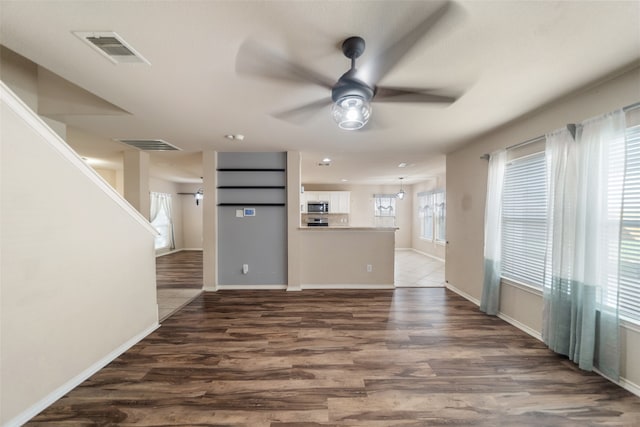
pixel 353 47
pixel 349 85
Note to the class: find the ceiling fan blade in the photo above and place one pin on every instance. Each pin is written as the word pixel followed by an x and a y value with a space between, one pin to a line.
pixel 256 60
pixel 305 112
pixel 409 95
pixel 374 70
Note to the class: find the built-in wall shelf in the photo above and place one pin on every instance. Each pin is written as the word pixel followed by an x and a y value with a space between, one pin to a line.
pixel 251 179
pixel 251 204
pixel 251 199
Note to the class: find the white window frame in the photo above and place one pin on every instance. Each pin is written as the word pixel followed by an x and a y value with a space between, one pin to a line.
pixel 432 215
pixel 524 221
pixel 629 258
pixel 163 221
pixel 384 210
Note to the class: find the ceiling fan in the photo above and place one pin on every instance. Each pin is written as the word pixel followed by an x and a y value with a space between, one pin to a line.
pixel 354 91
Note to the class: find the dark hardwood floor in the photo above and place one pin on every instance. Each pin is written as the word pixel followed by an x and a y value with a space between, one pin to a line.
pixel 180 270
pixel 409 357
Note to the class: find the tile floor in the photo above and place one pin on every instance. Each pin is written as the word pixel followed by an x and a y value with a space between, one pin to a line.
pixel 412 269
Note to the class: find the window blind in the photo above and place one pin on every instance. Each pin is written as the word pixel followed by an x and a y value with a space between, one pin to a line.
pixel 524 220
pixel 629 267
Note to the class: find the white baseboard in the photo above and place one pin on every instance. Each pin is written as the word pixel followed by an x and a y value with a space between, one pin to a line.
pixel 251 287
pixel 370 286
pixel 524 328
pixel 177 250
pixel 429 255
pixel 298 289
pixel 65 388
pixel 624 383
pixel 168 253
pixel 463 294
pixel 630 386
pixel 510 320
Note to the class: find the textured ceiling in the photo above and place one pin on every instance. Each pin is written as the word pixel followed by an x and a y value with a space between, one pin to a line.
pixel 504 59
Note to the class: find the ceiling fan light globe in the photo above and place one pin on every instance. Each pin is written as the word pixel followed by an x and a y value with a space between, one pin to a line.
pixel 351 112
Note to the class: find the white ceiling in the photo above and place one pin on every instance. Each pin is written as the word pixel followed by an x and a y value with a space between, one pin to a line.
pixel 504 59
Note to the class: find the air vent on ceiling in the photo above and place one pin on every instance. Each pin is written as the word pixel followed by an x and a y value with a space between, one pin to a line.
pixel 112 46
pixel 150 144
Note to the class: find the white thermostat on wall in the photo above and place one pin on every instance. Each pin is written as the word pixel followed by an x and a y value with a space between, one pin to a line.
pixel 249 211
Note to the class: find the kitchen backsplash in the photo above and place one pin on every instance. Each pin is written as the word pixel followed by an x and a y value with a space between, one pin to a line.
pixel 335 220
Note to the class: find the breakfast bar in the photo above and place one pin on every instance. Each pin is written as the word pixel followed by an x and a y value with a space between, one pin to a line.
pixel 347 257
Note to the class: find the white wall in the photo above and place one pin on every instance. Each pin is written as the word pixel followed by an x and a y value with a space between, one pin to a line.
pixel 77 273
pixel 466 191
pixel 21 75
pixel 113 178
pixel 111 170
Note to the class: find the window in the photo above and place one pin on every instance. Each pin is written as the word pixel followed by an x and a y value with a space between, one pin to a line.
pixel 385 210
pixel 161 220
pixel 439 205
pixel 629 258
pixel 432 213
pixel 425 213
pixel 524 220
pixel 524 227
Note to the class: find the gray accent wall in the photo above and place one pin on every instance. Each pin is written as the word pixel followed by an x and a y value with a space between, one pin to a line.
pixel 258 241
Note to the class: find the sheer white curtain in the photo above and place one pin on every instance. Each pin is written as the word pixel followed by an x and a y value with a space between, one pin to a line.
pixel 490 302
pixel 161 219
pixel 581 285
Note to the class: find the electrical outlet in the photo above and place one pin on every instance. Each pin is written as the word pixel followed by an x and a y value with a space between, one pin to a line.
pixel 369 268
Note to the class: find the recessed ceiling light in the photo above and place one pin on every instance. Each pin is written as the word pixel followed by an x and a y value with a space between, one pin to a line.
pixel 236 137
pixel 402 165
pixel 326 160
pixel 344 180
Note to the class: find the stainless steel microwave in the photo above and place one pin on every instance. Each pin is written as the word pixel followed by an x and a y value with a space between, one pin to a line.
pixel 318 207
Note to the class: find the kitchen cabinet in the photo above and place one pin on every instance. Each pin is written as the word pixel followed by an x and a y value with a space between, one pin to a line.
pixel 339 201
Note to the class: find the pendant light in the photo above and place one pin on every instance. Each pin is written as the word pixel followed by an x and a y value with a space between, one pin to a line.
pixel 199 195
pixel 400 194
